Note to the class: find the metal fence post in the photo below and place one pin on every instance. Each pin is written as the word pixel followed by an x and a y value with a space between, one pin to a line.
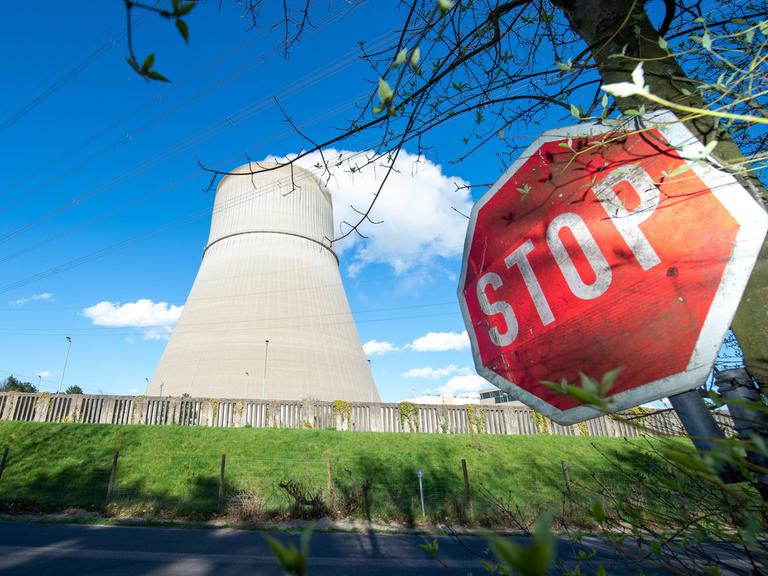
pixel 421 492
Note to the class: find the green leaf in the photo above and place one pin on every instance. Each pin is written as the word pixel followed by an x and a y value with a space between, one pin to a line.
pixel 306 537
pixel 148 62
pixel 588 384
pixel 288 557
pixel 400 58
pixel 155 75
pixel 430 547
pixel 706 41
pixel 677 171
pixel 385 92
pixel 415 55
pixel 663 44
pixel 598 512
pixel 444 5
pixel 534 559
pixel 710 146
pixel 638 76
pixel 183 29
pixel 501 133
pixel 378 109
pixel 575 111
pixel 609 378
pixel 186 8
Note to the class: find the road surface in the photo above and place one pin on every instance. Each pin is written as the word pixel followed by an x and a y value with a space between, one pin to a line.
pixel 64 549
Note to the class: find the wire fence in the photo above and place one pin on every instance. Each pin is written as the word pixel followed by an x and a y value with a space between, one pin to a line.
pixel 248 489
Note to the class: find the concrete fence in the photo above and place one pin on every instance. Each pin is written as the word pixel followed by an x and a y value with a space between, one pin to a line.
pixel 363 417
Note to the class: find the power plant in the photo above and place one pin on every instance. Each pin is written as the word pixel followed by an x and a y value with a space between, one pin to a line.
pixel 267 316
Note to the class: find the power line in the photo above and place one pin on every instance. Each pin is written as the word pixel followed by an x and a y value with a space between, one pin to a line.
pixel 35 381
pixel 223 329
pixel 207 89
pixel 69 75
pixel 261 292
pixel 173 224
pixel 166 188
pixel 228 122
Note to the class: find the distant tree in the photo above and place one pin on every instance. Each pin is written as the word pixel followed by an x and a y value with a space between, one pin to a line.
pixel 13 384
pixel 74 390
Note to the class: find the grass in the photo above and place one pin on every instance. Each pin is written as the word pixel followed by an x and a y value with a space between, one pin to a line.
pixel 174 471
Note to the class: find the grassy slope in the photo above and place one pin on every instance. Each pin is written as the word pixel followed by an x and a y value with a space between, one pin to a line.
pixel 176 469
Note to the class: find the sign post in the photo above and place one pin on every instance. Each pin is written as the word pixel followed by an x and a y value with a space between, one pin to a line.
pixel 607 247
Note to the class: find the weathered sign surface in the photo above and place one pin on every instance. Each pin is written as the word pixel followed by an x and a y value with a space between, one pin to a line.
pixel 603 248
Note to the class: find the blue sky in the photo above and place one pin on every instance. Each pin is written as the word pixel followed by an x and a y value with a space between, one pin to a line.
pixel 101 199
pixel 103 217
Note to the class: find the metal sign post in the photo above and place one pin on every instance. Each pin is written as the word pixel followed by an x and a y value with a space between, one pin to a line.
pixel 421 492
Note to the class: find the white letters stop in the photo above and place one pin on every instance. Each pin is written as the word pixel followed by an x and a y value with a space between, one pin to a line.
pixel 627 224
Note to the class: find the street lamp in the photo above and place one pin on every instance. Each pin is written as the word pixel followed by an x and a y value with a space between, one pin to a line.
pixel 61 382
pixel 264 379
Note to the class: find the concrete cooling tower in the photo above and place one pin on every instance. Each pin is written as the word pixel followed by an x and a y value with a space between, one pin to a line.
pixel 267 316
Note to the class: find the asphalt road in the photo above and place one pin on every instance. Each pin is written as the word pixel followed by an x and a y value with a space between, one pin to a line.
pixel 64 549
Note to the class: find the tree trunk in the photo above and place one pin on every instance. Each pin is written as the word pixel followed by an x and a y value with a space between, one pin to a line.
pixel 608 27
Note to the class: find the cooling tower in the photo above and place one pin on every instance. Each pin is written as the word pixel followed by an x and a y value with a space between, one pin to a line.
pixel 267 316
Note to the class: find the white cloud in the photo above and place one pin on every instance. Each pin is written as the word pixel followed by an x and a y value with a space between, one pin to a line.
pixel 378 348
pixel 418 224
pixel 33 298
pixel 468 385
pixel 440 342
pixel 429 372
pixel 156 318
pixel 43 374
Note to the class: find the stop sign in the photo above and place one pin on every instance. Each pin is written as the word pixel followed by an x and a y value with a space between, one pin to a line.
pixel 607 247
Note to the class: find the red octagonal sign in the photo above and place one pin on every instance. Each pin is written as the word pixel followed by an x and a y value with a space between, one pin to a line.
pixel 603 248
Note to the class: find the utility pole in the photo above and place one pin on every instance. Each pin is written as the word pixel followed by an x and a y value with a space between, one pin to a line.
pixel 264 379
pixel 370 368
pixel 66 358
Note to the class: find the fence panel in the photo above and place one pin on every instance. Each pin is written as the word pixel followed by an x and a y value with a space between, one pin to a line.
pixel 369 417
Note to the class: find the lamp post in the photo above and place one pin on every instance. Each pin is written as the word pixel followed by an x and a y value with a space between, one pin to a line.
pixel 66 358
pixel 264 379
